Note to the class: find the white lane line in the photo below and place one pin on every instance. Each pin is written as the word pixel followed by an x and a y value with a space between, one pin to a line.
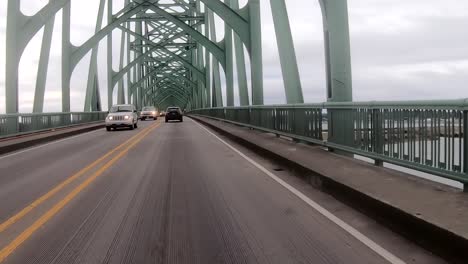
pixel 351 230
pixel 48 144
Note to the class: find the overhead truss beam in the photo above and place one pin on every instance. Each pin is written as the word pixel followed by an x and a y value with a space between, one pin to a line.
pixel 171 53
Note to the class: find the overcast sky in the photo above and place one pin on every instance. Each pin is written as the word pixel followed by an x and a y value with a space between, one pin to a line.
pixel 401 50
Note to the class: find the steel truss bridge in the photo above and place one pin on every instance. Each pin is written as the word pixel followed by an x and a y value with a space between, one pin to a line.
pixel 172 53
pixel 173 58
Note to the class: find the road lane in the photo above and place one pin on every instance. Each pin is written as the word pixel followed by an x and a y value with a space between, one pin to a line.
pixel 384 253
pixel 182 196
pixel 43 219
pixel 30 174
pixel 95 165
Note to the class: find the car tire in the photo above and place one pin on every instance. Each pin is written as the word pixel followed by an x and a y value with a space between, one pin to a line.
pixel 166 120
pixel 135 125
pixel 132 127
pixel 181 120
pixel 143 118
pixel 108 128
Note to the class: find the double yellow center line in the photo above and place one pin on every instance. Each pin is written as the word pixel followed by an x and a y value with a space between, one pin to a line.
pixel 124 147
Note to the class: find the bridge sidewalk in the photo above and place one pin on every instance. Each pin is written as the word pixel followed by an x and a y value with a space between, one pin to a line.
pixel 433 215
pixel 14 143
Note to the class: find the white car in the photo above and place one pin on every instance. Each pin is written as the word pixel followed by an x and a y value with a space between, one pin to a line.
pixel 122 116
pixel 149 112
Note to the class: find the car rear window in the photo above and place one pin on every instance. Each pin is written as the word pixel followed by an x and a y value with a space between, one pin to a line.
pixel 148 108
pixel 174 109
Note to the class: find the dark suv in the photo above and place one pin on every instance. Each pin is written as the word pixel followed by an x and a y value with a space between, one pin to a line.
pixel 174 113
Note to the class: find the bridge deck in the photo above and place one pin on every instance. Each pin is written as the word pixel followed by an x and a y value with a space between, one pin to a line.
pixel 172 194
pixel 439 204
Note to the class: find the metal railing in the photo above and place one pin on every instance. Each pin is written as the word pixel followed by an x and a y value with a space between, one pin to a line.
pixel 428 136
pixel 16 124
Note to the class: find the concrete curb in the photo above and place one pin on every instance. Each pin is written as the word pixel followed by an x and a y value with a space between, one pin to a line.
pixel 34 140
pixel 436 239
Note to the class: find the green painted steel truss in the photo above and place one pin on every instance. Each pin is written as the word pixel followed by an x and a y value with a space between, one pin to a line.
pixel 172 55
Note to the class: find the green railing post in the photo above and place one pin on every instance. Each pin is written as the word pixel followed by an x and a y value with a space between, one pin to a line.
pixel 377 135
pixel 330 128
pixel 294 122
pixel 12 125
pixel 337 128
pixel 49 122
pixel 276 120
pixel 299 117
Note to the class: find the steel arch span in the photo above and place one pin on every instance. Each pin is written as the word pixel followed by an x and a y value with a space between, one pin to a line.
pixel 172 53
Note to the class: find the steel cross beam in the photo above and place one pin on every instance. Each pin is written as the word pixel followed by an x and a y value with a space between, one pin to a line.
pixel 151 43
pixel 170 91
pixel 165 76
pixel 168 88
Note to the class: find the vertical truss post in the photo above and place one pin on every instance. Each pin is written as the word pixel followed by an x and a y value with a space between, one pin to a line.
pixel 96 102
pixel 229 62
pixel 42 69
pixel 187 87
pixel 144 69
pixel 12 58
pixel 200 56
pixel 256 57
pixel 337 56
pixel 120 89
pixel 128 58
pixel 217 94
pixel 66 57
pixel 135 80
pixel 240 63
pixel 12 63
pixel 92 84
pixel 129 79
pixel 193 55
pixel 139 66
pixel 337 50
pixel 291 79
pixel 207 90
pixel 110 71
pixel 194 61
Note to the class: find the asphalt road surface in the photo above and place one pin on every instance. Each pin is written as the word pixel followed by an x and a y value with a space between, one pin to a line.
pixel 168 193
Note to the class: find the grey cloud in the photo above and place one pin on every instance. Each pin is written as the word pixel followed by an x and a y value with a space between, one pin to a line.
pixel 440 39
pixel 433 87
